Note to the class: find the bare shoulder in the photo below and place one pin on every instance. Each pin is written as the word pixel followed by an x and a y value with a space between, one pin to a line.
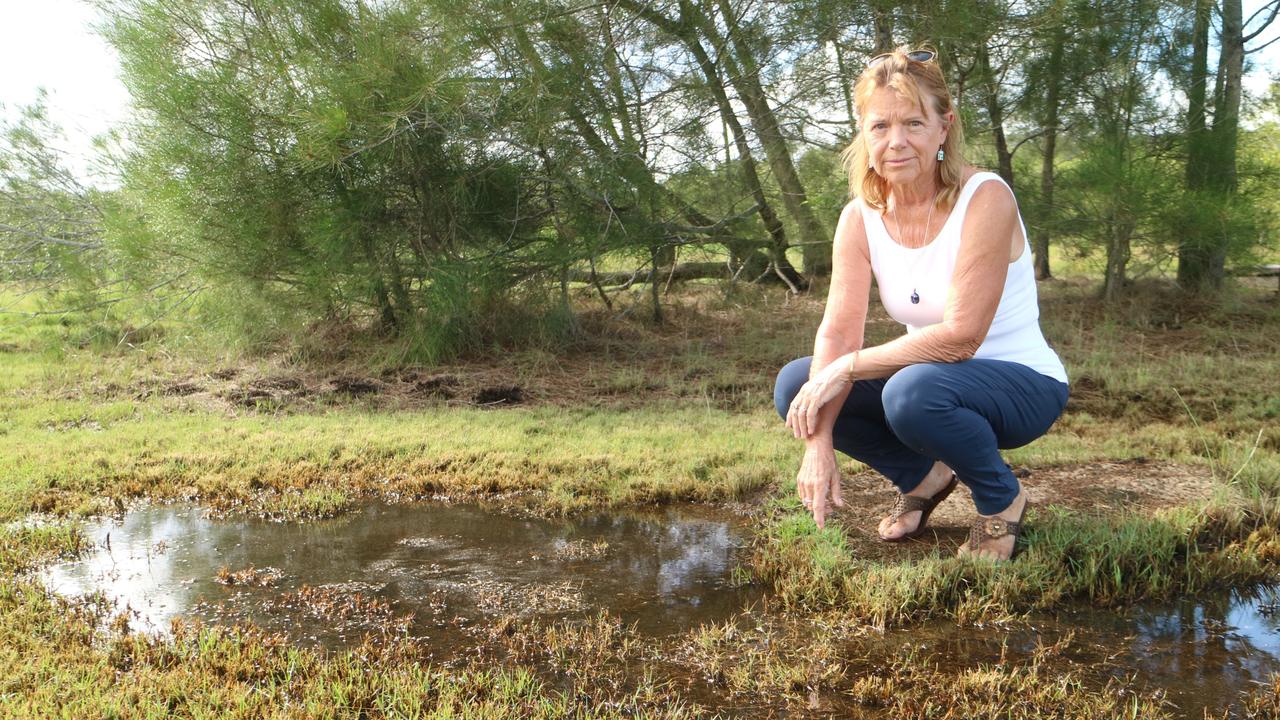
pixel 993 198
pixel 851 225
pixel 852 211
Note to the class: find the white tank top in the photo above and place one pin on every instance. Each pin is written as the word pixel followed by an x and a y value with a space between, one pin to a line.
pixel 926 272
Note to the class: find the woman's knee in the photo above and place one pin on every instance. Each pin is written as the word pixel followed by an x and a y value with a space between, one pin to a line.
pixel 790 379
pixel 911 393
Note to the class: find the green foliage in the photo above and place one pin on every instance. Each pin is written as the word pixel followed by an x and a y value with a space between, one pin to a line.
pixel 50 223
pixel 318 157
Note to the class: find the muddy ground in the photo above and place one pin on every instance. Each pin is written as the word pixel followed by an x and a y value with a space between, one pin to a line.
pixel 1096 488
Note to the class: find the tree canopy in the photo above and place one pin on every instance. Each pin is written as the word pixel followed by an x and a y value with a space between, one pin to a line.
pixel 442 169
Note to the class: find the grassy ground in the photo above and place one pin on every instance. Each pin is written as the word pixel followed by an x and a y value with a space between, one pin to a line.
pixel 1170 397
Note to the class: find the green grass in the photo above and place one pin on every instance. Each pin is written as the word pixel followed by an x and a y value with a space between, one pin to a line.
pixel 630 414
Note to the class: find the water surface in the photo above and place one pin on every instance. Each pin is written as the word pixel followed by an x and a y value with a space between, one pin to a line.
pixel 450 566
pixel 455 568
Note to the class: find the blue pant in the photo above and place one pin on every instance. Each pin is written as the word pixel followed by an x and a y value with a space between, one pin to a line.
pixel 960 413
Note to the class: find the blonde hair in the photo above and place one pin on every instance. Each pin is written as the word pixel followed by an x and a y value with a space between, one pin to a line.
pixel 916 81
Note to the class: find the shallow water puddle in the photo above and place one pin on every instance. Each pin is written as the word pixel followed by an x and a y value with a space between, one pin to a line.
pixel 1202 654
pixel 450 566
pixel 442 572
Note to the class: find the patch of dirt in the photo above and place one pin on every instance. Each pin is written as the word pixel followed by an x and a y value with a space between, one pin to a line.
pixel 182 389
pixel 436 386
pixel 1099 487
pixel 280 382
pixel 501 395
pixel 273 392
pixel 354 386
pixel 249 397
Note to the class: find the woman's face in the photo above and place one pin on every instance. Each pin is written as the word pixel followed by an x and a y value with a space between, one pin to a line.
pixel 902 140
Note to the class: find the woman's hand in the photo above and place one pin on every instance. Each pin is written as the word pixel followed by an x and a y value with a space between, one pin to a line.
pixel 819 477
pixel 802 417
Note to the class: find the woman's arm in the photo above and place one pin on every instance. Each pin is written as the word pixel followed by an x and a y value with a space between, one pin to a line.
pixel 844 320
pixel 839 334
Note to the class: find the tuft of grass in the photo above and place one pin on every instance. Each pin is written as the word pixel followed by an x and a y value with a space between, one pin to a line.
pixel 24 547
pixel 1112 559
pixel 916 687
pixel 1262 704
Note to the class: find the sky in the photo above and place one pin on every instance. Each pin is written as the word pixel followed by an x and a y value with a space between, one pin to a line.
pixel 51 44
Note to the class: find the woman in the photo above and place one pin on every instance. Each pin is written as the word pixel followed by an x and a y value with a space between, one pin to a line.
pixel 973 373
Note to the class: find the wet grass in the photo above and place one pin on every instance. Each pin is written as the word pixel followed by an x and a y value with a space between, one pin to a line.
pixel 1111 560
pixel 633 415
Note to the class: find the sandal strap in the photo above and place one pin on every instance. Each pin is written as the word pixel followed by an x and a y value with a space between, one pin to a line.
pixel 904 504
pixel 985 528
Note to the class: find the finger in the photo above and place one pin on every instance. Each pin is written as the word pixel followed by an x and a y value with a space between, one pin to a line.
pixel 811 416
pixel 837 498
pixel 802 417
pixel 820 510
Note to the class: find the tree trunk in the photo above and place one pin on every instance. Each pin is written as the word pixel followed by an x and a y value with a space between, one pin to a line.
pixel 1226 129
pixel 846 86
pixel 1118 252
pixel 991 93
pixel 1211 157
pixel 1226 107
pixel 745 77
pixel 683 31
pixel 1043 235
pixel 1193 258
pixel 631 166
pixel 883 14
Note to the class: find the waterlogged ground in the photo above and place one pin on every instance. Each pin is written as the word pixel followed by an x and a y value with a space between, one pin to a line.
pixel 1195 654
pixel 441 569
pixel 1159 481
pixel 445 574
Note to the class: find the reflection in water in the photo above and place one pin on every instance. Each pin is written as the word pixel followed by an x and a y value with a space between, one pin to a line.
pixel 1203 654
pixel 1207 650
pixel 454 567
pixel 449 566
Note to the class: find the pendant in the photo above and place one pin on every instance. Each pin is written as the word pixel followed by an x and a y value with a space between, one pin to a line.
pixel 915 297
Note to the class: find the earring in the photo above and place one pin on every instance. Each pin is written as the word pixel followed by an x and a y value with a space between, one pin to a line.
pixel 941 154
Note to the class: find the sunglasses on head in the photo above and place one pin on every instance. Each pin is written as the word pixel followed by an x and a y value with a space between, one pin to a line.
pixel 920 56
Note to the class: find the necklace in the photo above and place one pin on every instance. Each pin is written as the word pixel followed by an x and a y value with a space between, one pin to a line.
pixel 915 296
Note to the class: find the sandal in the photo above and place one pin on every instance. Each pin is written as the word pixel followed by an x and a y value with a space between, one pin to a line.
pixel 904 504
pixel 994 528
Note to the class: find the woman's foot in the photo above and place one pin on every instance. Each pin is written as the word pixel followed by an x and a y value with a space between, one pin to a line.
pixel 998 540
pixel 939 477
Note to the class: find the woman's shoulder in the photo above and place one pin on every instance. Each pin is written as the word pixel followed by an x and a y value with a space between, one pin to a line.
pixel 984 187
pixel 851 230
pixel 852 213
pixel 979 177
